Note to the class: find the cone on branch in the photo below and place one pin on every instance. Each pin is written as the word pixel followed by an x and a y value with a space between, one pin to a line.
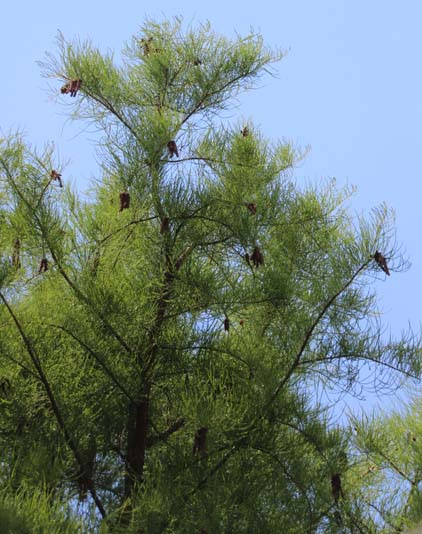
pixel 336 488
pixel 43 266
pixel 251 207
pixel 165 225
pixel 56 176
pixel 172 149
pixel 257 257
pixel 16 262
pixel 200 441
pixel 71 87
pixel 124 200
pixel 382 262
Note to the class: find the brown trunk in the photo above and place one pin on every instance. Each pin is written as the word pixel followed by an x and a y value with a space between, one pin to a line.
pixel 137 441
pixel 138 417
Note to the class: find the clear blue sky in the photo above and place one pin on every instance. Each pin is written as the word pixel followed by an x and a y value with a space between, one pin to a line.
pixel 351 87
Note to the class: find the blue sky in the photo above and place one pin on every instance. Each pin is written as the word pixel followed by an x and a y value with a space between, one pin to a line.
pixel 350 87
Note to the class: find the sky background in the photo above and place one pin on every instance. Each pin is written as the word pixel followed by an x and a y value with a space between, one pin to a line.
pixel 350 87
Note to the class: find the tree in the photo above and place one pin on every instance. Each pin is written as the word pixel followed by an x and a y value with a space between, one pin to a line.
pixel 388 464
pixel 163 342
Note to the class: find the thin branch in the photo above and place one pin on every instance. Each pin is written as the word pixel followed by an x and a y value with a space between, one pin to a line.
pixel 395 467
pixel 85 299
pixel 206 96
pixel 77 291
pixel 137 221
pixel 365 358
pixel 309 333
pixel 212 472
pixel 163 436
pixel 97 359
pixel 109 107
pixel 56 410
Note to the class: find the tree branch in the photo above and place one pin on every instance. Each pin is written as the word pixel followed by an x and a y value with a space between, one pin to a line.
pixel 97 359
pixel 59 418
pixel 163 436
pixel 309 333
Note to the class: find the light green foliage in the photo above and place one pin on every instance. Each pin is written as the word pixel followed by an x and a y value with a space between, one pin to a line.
pixel 157 320
pixel 33 512
pixel 388 463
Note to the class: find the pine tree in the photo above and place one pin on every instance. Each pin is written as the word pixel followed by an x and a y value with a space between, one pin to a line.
pixel 388 465
pixel 161 343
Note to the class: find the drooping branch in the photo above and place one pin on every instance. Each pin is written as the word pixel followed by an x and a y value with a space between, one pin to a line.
pixel 131 223
pixel 61 269
pixel 98 359
pixel 87 301
pixel 310 332
pixel 163 436
pixel 53 402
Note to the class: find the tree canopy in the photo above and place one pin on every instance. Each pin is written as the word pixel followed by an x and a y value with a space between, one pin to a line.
pixel 164 341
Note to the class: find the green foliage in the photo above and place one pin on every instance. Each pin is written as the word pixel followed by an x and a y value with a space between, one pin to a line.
pixel 388 463
pixel 32 511
pixel 222 298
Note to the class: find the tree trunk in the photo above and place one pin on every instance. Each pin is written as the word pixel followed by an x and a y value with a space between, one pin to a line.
pixel 138 421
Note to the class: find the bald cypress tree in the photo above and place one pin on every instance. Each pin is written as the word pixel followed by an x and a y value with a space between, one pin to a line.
pixel 162 343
